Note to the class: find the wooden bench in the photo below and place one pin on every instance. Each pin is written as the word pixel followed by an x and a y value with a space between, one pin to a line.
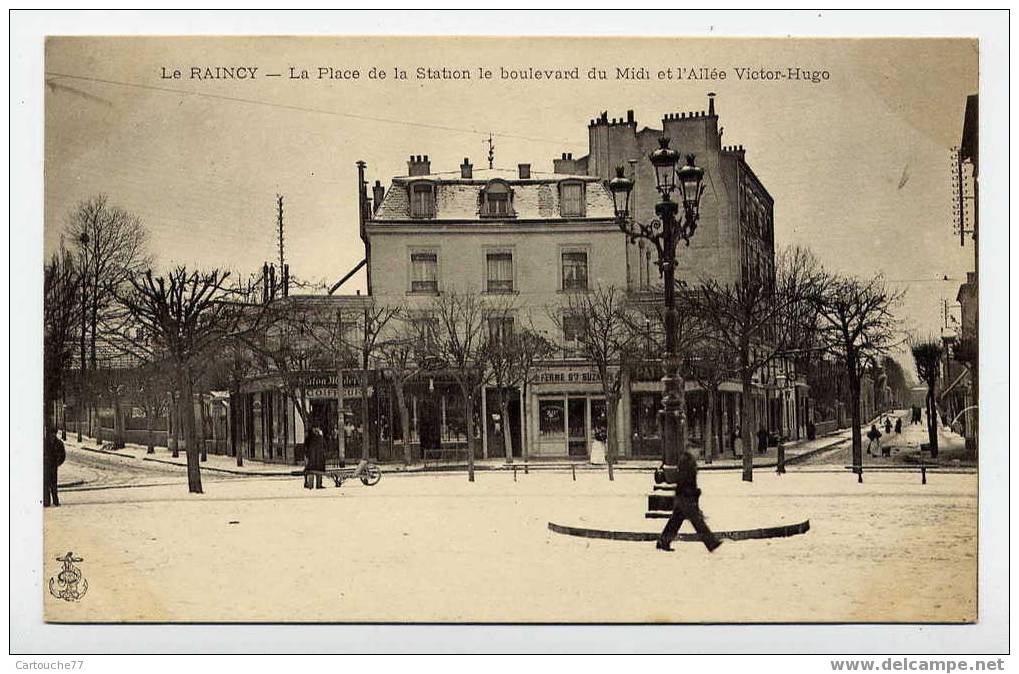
pixel 921 468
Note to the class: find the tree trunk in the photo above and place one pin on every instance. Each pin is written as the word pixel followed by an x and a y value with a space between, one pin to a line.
pixel 187 412
pixel 932 421
pixel 365 421
pixel 507 437
pixel 173 426
pixel 854 411
pixel 747 424
pixel 611 432
pixel 118 422
pixel 150 423
pixel 525 441
pixel 341 420
pixel 203 418
pixel 401 405
pixel 236 416
pixel 709 430
pixel 469 408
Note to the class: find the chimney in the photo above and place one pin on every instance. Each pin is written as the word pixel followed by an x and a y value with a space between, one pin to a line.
pixel 419 166
pixel 466 169
pixel 711 103
pixel 525 171
pixel 629 116
pixel 565 165
pixel 378 194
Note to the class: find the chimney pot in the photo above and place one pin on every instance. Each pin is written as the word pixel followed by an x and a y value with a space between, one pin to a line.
pixel 711 103
pixel 629 116
pixel 466 169
pixel 525 171
pixel 419 165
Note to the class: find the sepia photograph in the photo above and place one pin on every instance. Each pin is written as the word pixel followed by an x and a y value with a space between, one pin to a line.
pixel 527 330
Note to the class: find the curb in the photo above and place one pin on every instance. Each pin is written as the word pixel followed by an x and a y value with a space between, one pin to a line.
pixel 230 471
pixel 647 536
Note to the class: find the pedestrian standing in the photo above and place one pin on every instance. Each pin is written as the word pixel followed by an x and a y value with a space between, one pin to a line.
pixel 873 440
pixel 898 426
pixel 53 455
pixel 314 446
pixel 686 506
pixel 762 441
pixel 888 426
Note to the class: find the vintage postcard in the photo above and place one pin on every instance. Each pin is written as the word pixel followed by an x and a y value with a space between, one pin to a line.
pixel 510 330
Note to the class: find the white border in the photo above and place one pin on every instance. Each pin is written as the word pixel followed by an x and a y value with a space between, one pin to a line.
pixel 30 634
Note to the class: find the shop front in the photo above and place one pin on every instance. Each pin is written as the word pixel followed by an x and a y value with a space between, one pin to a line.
pixel 567 412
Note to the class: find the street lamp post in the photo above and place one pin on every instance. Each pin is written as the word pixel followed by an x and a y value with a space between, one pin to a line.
pixel 664 233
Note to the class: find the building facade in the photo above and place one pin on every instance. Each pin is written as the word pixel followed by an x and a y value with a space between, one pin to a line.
pixel 536 237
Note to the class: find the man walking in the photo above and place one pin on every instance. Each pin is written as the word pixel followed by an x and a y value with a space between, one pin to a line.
pixel 687 507
pixel 53 454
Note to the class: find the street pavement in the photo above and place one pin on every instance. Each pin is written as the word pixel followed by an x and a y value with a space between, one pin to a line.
pixel 435 547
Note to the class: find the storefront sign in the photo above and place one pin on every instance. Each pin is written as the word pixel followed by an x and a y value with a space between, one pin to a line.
pixel 568 376
pixel 351 378
pixel 330 392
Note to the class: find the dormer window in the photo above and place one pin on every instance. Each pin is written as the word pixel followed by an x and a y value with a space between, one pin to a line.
pixel 422 200
pixel 497 200
pixel 571 199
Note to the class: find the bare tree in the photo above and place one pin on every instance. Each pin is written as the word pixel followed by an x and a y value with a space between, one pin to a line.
pixel 186 314
pixel 748 318
pixel 513 352
pixel 927 354
pixel 460 345
pixel 710 366
pixel 111 248
pixel 400 355
pixel 528 349
pixel 600 321
pixel 374 320
pixel 857 327
pixel 149 387
pixel 61 311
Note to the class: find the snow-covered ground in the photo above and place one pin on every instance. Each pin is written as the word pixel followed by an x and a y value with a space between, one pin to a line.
pixel 438 548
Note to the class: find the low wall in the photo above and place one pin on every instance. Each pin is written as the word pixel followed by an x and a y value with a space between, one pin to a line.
pixel 825 427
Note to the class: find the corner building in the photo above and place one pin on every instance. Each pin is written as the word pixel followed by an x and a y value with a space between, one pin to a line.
pixel 536 236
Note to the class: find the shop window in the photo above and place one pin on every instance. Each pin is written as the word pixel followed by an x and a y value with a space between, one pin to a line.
pixel 574 270
pixel 424 270
pixel 551 419
pixel 499 267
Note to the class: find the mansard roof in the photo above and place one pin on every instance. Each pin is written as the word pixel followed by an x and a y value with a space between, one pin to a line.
pixel 458 198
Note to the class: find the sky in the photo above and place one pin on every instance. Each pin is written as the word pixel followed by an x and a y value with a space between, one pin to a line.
pixel 858 163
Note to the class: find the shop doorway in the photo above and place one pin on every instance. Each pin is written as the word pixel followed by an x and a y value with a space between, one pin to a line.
pixel 576 414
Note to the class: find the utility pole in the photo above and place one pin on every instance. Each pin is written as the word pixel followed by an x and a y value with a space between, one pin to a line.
pixel 491 151
pixel 279 223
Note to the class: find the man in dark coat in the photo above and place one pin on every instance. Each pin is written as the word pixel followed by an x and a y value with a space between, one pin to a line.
pixel 53 454
pixel 687 507
pixel 762 441
pixel 314 447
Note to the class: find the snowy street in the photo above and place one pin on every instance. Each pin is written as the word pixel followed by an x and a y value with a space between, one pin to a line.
pixel 261 548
